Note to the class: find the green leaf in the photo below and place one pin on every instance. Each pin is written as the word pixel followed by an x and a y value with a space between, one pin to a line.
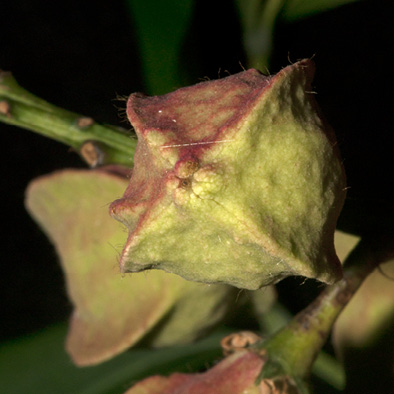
pixel 161 27
pixel 258 19
pixel 38 365
pixel 114 311
pixel 298 9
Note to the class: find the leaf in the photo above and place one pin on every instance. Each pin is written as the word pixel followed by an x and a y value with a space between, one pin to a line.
pixel 113 311
pixel 363 335
pixel 258 19
pixel 38 365
pixel 297 9
pixel 344 243
pixel 233 375
pixel 161 27
pixel 370 313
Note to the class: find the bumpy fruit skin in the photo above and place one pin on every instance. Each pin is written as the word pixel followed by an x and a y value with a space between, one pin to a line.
pixel 235 181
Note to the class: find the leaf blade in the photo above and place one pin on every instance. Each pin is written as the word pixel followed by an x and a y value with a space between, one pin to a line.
pixel 161 27
pixel 294 10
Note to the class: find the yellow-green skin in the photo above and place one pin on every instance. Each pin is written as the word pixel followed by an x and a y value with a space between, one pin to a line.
pixel 235 181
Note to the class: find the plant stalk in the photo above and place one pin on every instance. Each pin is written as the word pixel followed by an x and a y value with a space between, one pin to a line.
pixel 97 144
pixel 293 349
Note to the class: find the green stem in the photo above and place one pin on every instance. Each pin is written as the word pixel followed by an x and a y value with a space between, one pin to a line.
pixel 325 367
pixel 98 144
pixel 258 19
pixel 293 350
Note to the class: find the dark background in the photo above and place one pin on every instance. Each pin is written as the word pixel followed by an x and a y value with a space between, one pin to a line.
pixel 82 54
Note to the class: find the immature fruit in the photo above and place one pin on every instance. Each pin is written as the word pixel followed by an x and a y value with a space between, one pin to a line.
pixel 235 181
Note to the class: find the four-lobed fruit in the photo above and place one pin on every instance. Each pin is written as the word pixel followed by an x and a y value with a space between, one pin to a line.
pixel 235 181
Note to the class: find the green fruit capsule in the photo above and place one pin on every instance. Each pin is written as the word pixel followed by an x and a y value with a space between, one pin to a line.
pixel 236 181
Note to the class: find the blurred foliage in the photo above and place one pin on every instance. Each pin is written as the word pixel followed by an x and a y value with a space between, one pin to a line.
pixel 161 27
pixel 38 364
pixel 298 9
